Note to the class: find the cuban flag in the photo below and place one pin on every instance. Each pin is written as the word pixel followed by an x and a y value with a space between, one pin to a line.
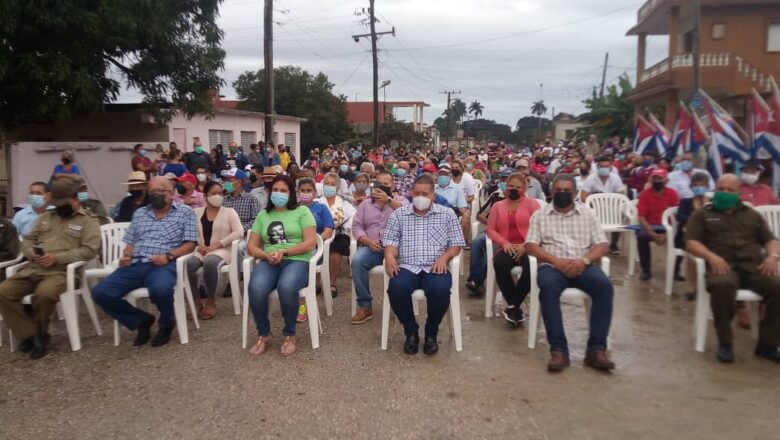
pixel 644 135
pixel 663 138
pixel 714 162
pixel 681 134
pixel 770 140
pixel 759 123
pixel 724 133
pixel 698 136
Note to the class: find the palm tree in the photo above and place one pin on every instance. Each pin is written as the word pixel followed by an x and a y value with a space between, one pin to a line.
pixel 476 108
pixel 458 109
pixel 538 109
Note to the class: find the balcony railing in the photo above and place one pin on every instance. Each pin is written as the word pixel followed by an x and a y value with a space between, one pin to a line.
pixel 655 70
pixel 648 8
pixel 685 61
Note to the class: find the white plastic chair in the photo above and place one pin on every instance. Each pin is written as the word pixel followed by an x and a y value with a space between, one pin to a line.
pixel 309 292
pixel 632 214
pixel 492 295
pixel 771 214
pixel 324 271
pixel 703 311
pixel 180 291
pixel 232 272
pixel 3 266
pixel 610 209
pixel 378 270
pixel 568 294
pixel 419 295
pixel 67 306
pixel 111 248
pixel 669 220
pixel 478 191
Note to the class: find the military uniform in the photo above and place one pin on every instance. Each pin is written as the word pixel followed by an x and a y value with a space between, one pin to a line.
pixel 71 239
pixel 96 208
pixel 739 238
pixel 9 243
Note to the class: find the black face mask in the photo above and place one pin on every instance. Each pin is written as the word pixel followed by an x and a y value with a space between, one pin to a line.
pixel 513 194
pixel 456 173
pixel 562 199
pixel 659 186
pixel 181 189
pixel 252 178
pixel 157 201
pixel 584 171
pixel 66 161
pixel 64 211
pixel 268 185
pixel 136 193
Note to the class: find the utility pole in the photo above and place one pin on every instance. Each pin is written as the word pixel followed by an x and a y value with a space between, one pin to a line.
pixel 604 75
pixel 268 28
pixel 696 48
pixel 373 35
pixel 449 94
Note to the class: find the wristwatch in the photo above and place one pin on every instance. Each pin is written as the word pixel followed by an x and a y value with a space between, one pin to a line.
pixel 586 261
pixel 170 257
pixel 284 253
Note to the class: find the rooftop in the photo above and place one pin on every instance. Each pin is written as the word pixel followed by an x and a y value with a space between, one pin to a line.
pixel 653 16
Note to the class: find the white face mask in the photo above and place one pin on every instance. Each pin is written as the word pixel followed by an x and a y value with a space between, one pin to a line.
pixel 421 203
pixel 750 179
pixel 215 201
pixel 201 177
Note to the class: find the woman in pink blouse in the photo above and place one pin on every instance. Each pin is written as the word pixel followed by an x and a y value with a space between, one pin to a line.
pixel 508 224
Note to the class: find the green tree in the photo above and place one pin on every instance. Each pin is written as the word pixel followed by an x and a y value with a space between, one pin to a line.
pixel 610 115
pixel 527 128
pixel 476 108
pixel 298 93
pixel 538 108
pixel 458 109
pixel 486 130
pixel 63 57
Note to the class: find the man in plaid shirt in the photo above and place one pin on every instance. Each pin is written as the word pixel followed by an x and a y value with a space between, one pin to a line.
pixel 566 238
pixel 245 204
pixel 420 240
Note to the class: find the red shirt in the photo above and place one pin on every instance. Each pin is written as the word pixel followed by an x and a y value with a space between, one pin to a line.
pixel 143 161
pixel 652 206
pixel 758 195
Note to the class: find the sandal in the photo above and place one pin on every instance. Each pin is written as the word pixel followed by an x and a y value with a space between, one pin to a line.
pixel 288 346
pixel 260 346
pixel 209 311
pixel 334 292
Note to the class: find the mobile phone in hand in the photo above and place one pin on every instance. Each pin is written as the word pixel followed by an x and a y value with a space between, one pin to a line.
pixel 38 251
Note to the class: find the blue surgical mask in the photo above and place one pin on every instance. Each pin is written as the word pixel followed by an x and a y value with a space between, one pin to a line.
pixel 699 191
pixel 329 190
pixel 280 199
pixel 502 186
pixel 343 168
pixel 400 172
pixel 604 172
pixel 444 181
pixel 36 201
pixel 686 165
pixel 83 196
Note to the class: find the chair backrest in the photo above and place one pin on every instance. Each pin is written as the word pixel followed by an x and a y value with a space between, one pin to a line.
pixel 609 208
pixel 478 193
pixel 771 214
pixel 111 239
pixel 474 208
pixel 669 220
pixel 632 212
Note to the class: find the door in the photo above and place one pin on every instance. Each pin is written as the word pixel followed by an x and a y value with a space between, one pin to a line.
pixel 180 137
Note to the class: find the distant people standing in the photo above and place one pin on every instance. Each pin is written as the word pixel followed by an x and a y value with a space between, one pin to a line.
pixel 196 158
pixel 174 164
pixel 67 167
pixel 142 163
pixel 284 157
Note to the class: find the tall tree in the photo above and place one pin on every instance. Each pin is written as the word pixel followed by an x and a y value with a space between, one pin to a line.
pixel 70 56
pixel 476 108
pixel 610 115
pixel 298 93
pixel 458 109
pixel 538 108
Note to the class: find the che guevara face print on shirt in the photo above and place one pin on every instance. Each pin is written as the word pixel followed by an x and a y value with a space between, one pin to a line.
pixel 276 234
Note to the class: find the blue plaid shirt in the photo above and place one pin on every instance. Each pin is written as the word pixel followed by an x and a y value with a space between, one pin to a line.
pixel 422 239
pixel 152 236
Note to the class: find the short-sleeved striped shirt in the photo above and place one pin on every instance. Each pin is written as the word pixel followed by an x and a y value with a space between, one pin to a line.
pixel 421 240
pixel 567 235
pixel 151 236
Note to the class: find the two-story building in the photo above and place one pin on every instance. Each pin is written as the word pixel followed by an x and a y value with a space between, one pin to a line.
pixel 739 49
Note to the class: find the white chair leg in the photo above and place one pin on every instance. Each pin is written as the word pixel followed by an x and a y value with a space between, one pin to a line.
pixel 632 254
pixel 71 315
pixel 490 288
pixel 700 320
pixel 116 333
pixel 86 295
pixel 185 291
pixel 354 298
pixel 415 307
pixel 60 313
pixel 180 310
pixel 12 340
pixel 533 317
pixel 245 313
pixel 385 318
pixel 671 257
pixel 314 317
pixel 325 282
pixel 235 290
pixel 456 319
pixel 755 318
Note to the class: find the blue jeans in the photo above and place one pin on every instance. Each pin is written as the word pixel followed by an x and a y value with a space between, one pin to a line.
pixel 287 278
pixel 159 280
pixel 362 262
pixel 437 293
pixel 592 281
pixel 478 260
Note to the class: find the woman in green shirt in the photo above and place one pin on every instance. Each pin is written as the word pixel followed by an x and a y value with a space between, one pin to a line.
pixel 283 238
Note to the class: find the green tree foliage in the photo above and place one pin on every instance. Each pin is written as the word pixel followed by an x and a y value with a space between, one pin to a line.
pixel 526 129
pixel 486 130
pixel 611 115
pixel 458 109
pixel 60 57
pixel 298 93
pixel 476 108
pixel 538 108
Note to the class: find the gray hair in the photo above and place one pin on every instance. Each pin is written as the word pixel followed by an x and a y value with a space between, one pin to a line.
pixel 367 167
pixel 332 176
pixel 565 178
pixel 700 177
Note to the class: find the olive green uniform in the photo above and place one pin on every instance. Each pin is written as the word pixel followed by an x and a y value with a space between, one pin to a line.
pixel 98 209
pixel 739 238
pixel 70 239
pixel 9 243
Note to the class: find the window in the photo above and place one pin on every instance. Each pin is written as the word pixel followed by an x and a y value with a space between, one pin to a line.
pixel 248 138
pixel 289 140
pixel 223 137
pixel 773 36
pixel 718 31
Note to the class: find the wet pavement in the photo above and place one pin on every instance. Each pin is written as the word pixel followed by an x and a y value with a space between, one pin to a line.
pixel 350 388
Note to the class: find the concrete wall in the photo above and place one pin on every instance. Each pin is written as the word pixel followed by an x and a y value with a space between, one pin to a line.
pixel 562 127
pixel 129 127
pixel 105 165
pixel 199 127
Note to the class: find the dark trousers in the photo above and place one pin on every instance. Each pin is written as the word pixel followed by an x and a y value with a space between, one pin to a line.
pixel 159 280
pixel 46 290
pixel 723 294
pixel 592 281
pixel 643 241
pixel 514 293
pixel 437 293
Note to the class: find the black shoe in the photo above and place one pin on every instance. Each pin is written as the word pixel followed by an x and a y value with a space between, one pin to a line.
pixel 690 296
pixel 144 331
pixel 26 346
pixel 725 354
pixel 412 344
pixel 430 346
pixel 471 285
pixel 645 276
pixel 162 337
pixel 513 316
pixel 614 251
pixel 678 277
pixel 228 292
pixel 40 346
pixel 768 352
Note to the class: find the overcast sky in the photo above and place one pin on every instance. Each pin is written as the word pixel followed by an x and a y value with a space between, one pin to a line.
pixel 494 51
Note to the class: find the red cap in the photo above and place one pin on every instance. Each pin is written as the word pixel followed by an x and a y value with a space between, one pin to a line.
pixel 429 168
pixel 660 172
pixel 188 177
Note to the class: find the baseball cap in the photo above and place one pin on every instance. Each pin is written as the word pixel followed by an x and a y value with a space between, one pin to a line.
pixel 428 168
pixel 445 168
pixel 188 177
pixel 659 172
pixel 754 163
pixel 234 173
pixel 505 172
pixel 137 177
pixel 522 163
pixel 63 190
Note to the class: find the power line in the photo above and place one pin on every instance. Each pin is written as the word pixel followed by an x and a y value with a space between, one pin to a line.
pixel 349 77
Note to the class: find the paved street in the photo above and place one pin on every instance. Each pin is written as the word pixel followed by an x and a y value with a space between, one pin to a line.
pixel 350 388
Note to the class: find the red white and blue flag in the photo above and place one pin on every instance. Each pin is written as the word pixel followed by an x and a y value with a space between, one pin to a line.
pixel 724 131
pixel 663 138
pixel 766 122
pixel 688 134
pixel 644 135
pixel 759 123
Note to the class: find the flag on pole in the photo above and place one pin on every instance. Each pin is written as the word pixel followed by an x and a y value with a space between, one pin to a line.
pixel 662 136
pixel 699 135
pixel 771 136
pixel 714 162
pixel 681 134
pixel 724 131
pixel 644 135
pixel 759 123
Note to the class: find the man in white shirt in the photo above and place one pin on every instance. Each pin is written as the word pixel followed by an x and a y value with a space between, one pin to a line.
pixel 464 180
pixel 25 219
pixel 606 182
pixel 680 178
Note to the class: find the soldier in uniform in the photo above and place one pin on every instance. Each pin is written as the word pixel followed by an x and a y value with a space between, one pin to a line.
pixel 93 206
pixel 741 252
pixel 9 243
pixel 61 236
